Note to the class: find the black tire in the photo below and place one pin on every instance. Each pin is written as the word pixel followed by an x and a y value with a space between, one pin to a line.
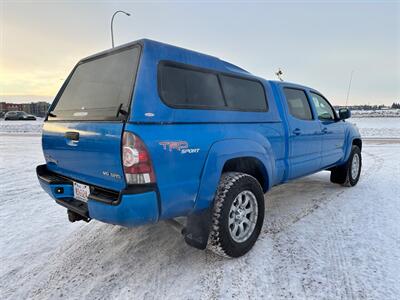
pixel 344 175
pixel 221 239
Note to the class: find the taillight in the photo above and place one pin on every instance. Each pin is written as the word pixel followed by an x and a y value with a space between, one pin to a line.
pixel 136 160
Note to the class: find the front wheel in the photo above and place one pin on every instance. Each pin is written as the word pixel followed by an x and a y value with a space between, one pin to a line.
pixel 348 174
pixel 238 215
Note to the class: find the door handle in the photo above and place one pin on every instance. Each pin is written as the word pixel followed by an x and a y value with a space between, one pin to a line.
pixel 297 131
pixel 324 130
pixel 72 135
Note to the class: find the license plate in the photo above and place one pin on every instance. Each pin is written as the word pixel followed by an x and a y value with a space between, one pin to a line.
pixel 81 191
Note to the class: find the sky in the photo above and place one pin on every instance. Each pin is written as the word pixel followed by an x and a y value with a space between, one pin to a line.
pixel 315 43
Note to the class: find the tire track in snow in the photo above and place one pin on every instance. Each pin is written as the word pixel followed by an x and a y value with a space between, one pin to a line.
pixel 211 281
pixel 336 244
pixel 339 262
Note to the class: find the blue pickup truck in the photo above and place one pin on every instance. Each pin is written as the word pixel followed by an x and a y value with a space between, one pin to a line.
pixel 149 131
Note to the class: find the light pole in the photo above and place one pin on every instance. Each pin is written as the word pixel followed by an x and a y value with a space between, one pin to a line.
pixel 112 21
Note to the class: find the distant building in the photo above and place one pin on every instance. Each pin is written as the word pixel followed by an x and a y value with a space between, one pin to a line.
pixel 5 107
pixel 38 109
pixel 26 107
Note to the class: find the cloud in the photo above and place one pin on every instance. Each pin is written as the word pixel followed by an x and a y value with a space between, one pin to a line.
pixel 35 82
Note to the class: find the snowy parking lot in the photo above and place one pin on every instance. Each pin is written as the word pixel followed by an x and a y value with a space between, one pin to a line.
pixel 319 240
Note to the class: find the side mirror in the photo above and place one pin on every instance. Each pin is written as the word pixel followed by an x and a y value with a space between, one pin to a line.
pixel 344 113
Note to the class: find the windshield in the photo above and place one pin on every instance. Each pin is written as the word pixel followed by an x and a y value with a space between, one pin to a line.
pixel 99 89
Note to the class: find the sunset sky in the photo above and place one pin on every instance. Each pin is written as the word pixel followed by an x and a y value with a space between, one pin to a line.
pixel 314 43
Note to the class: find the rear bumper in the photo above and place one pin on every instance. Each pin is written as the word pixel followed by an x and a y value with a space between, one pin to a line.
pixel 130 207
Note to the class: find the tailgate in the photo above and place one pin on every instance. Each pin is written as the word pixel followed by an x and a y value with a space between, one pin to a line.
pixel 89 152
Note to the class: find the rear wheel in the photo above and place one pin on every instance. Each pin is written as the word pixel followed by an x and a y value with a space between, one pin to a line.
pixel 349 173
pixel 238 215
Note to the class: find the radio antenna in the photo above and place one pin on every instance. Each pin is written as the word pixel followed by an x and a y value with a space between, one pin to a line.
pixel 348 90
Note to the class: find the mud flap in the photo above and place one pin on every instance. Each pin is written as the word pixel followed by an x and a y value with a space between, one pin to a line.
pixel 197 230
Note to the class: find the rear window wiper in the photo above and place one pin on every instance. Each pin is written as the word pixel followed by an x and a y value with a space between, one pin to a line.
pixel 50 113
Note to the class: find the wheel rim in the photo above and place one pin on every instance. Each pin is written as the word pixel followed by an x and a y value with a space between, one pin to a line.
pixel 355 166
pixel 243 216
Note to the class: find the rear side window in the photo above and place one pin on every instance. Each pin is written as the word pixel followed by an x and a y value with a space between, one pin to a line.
pixel 243 94
pixel 186 87
pixel 99 87
pixel 299 107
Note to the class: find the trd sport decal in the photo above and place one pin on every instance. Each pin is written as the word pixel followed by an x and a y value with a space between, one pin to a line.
pixel 180 146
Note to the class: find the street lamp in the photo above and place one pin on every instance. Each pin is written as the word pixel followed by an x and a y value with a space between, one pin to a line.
pixel 112 21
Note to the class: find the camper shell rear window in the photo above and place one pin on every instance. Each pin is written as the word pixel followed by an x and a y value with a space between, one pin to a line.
pixel 186 86
pixel 99 88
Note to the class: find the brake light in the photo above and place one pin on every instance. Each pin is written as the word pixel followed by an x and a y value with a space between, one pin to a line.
pixel 136 160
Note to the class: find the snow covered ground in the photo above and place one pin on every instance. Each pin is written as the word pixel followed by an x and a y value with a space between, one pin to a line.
pixel 319 241
pixel 21 127
pixel 385 127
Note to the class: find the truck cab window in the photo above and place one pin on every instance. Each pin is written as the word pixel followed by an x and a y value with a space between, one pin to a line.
pixel 324 109
pixel 298 104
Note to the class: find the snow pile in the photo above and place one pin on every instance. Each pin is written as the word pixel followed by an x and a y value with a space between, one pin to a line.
pixel 376 113
pixel 319 241
pixel 34 127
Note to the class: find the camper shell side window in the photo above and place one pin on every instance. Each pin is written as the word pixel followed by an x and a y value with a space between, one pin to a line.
pixel 190 87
